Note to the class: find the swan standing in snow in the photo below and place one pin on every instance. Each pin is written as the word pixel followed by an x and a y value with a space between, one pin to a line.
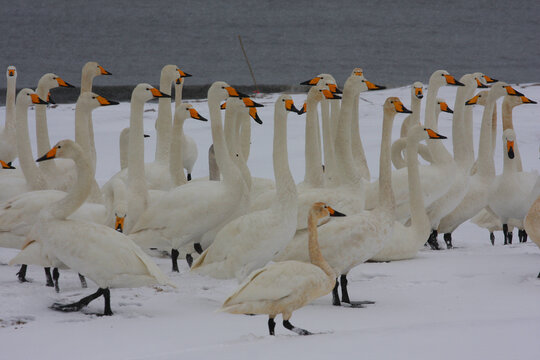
pixel 532 223
pixel 286 286
pixel 249 242
pixel 355 239
pixel 8 149
pixel 98 252
pixel 407 240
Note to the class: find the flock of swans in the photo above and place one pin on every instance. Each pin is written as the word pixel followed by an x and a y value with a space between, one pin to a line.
pixel 232 225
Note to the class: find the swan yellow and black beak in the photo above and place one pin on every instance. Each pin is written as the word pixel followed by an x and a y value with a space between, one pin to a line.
pixel 311 82
pixel 250 103
pixel 333 88
pixel 234 93
pixel 36 99
pixel 358 72
pixel 158 93
pixel 479 84
pixel 513 92
pixel 11 72
pixel 106 102
pixel 195 115
pixel 51 154
pixel 473 101
pixel 510 147
pixel 489 80
pixel 333 212
pixel 444 107
pixel 6 165
pixel 371 86
pixel 254 115
pixel 419 93
pixel 329 95
pixel 400 108
pixel 183 74
pixel 433 135
pixel 103 71
pixel 50 99
pixel 289 106
pixel 119 224
pixel 303 109
pixel 223 106
pixel 63 83
pixel 450 80
pixel 526 100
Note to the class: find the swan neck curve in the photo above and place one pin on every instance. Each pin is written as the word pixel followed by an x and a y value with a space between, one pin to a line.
pixel 315 255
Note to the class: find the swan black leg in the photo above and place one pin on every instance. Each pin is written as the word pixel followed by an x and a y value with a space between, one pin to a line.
pixel 335 295
pixel 525 236
pixel 22 273
pixel 522 234
pixel 510 236
pixel 345 295
pixel 271 325
pixel 189 177
pixel 189 260
pixel 81 303
pixel 56 275
pixel 83 281
pixel 48 276
pixel 432 240
pixel 174 258
pixel 492 238
pixel 198 248
pixel 505 232
pixel 448 240
pixel 107 297
pixel 297 330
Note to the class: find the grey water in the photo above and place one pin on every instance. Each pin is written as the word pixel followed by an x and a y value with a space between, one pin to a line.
pixel 287 42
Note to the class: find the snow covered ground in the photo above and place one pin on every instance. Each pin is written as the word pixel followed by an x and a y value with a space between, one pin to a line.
pixel 473 302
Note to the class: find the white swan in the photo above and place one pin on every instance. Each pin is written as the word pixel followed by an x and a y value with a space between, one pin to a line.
pixel 98 252
pixel 355 239
pixel 123 144
pixel 188 211
pixel 250 241
pixel 532 223
pixel 512 192
pixel 283 287
pixel 477 194
pixel 407 240
pixel 8 149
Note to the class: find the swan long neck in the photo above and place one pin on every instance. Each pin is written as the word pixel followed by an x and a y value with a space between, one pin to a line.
pixel 285 186
pixel 328 143
pixel 461 141
pixel 438 151
pixel 494 129
pixel 315 255
pixel 178 93
pixel 508 123
pixel 397 152
pixel 164 119
pixel 245 138
pixel 138 199
pixel 314 173
pixel 486 164
pixel 42 131
pixel 124 148
pixel 33 175
pixel 176 161
pixel 79 192
pixel 242 118
pixel 357 147
pixel 87 78
pixel 386 194
pixel 10 123
pixel 348 173
pixel 419 218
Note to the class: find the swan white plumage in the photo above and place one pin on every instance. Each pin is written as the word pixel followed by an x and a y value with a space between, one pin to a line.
pixel 123 145
pixel 532 223
pixel 98 252
pixel 283 287
pixel 177 217
pixel 355 239
pixel 250 241
pixel 407 240
pixel 8 149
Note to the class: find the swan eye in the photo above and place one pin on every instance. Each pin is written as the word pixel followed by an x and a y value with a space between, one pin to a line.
pixel 148 89
pixel 59 147
pixel 93 97
pixel 283 100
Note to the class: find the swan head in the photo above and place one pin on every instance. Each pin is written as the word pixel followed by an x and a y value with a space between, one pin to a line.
pixel 442 78
pixel 120 213
pixel 470 81
pixel 418 133
pixel 186 110
pixel 481 82
pixel 173 73
pixel 497 90
pixel 93 100
pixel 221 91
pixel 11 72
pixel 29 97
pixel 418 90
pixel 320 210
pixel 144 92
pixel 51 81
pixel 285 103
pixel 479 99
pixel 394 104
pixel 442 106
pixel 94 69
pixel 6 165
pixel 317 80
pixel 518 100
pixel 67 149
pixel 509 138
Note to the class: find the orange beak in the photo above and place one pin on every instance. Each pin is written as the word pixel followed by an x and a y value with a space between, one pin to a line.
pixel 400 108
pixel 418 92
pixel 223 106
pixel 51 154
pixel 183 74
pixel 250 103
pixel 158 93
pixel 330 95
pixel 489 80
pixel 358 72
pixel 119 224
pixel 103 71
pixel 473 101
pixel 254 115
pixel 195 115
pixel 433 135
pixel 479 85
pixel 333 88
pixel 303 109
pixel 37 100
pixel 372 86
pixel 526 100
pixel 11 72
pixel 289 105
pixel 62 83
pixel 333 212
pixel 105 102
pixel 311 82
pixel 445 108
pixel 450 80
pixel 233 93
pixel 511 91
pixel 6 165
pixel 510 147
